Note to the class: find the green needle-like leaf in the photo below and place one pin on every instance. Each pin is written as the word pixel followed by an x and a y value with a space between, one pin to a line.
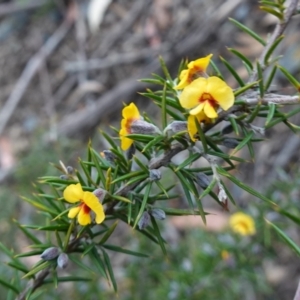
pixel 246 188
pixel 9 286
pixel 163 108
pixel 243 142
pixel 272 108
pixel 122 250
pixel 144 202
pixel 109 269
pixel 286 238
pixel 233 72
pixel 245 60
pixel 272 49
pixel 108 233
pixel 248 31
pixel 160 240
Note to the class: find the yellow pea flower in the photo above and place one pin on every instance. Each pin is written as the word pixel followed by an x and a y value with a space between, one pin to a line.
pixel 88 203
pixel 191 125
pixel 207 94
pixel 195 67
pixel 130 114
pixel 242 224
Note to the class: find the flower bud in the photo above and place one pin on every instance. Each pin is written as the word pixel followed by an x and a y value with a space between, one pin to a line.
pixel 50 253
pixel 100 193
pixel 230 143
pixel 109 156
pixel 227 129
pixel 144 220
pixel 142 127
pixel 202 180
pixel 63 260
pixel 176 126
pixel 157 213
pixel 154 175
pixel 70 170
pixel 64 177
pixel 130 152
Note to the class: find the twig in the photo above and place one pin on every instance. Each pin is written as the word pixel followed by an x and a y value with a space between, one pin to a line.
pixel 297 295
pixel 272 98
pixel 30 70
pixel 11 8
pixel 34 284
pixel 278 31
pixel 112 60
pixel 118 31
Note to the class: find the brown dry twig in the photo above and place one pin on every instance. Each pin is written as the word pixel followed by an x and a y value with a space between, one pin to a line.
pixel 31 69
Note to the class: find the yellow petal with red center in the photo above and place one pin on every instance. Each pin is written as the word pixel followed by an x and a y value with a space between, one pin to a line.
pixel 131 112
pixel 84 217
pixel 73 212
pixel 209 110
pixel 221 92
pixel 191 95
pixel 192 128
pixel 93 203
pixel 73 193
pixel 184 80
pixel 198 109
pixel 201 64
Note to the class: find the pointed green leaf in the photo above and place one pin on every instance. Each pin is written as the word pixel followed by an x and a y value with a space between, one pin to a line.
pixel 285 237
pixel 244 59
pixel 233 72
pixel 160 240
pixel 9 286
pixel 248 31
pixel 122 250
pixel 272 49
pixel 290 77
pixel 245 187
pixel 109 269
pixel 144 202
pixel 245 141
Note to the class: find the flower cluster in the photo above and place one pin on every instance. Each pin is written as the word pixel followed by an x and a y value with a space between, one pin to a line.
pixel 202 95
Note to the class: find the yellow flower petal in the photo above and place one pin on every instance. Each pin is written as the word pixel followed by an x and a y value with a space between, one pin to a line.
pixel 242 224
pixel 198 109
pixel 73 193
pixel 130 112
pixel 191 126
pixel 220 91
pixel 93 203
pixel 210 111
pixel 73 212
pixel 200 64
pixel 191 94
pixel 84 218
pixel 184 80
pixel 125 143
pixel 194 67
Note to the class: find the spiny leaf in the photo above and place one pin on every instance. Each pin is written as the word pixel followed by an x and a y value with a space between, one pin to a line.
pixel 248 31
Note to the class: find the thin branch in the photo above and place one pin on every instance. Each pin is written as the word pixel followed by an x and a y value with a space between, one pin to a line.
pixel 34 284
pixel 278 31
pixel 297 295
pixel 30 70
pixel 11 8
